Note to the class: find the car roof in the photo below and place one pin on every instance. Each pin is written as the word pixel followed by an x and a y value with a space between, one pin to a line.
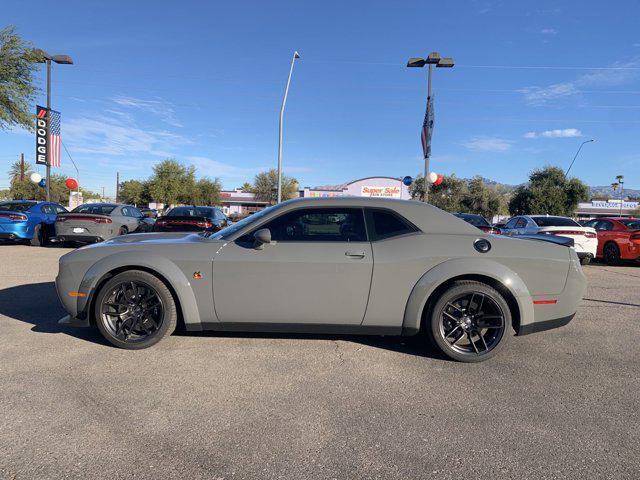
pixel 423 215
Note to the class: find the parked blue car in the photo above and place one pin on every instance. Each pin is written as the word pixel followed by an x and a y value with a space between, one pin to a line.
pixel 28 220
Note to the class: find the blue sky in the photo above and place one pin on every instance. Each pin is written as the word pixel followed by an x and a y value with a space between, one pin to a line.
pixel 202 82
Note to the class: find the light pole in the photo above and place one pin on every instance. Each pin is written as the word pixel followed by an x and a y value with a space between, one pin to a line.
pixel 432 59
pixel 620 179
pixel 44 57
pixel 576 155
pixel 296 55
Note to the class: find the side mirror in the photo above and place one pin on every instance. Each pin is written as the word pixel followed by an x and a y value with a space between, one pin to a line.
pixel 261 237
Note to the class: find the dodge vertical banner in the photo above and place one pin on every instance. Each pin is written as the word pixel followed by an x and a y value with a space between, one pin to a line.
pixel 42 143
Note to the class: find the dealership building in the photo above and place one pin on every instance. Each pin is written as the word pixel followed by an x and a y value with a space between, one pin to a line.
pixel 605 208
pixel 239 202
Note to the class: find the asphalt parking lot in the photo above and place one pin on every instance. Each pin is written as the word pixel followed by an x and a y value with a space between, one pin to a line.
pixel 558 404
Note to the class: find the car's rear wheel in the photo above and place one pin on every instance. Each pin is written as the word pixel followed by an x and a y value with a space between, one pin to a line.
pixel 123 231
pixel 470 322
pixel 135 310
pixel 585 260
pixel 611 254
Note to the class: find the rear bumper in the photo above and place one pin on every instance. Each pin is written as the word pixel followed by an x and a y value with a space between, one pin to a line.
pixel 9 236
pixel 77 238
pixel 545 325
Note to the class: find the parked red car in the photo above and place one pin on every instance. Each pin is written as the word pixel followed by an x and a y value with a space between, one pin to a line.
pixel 618 238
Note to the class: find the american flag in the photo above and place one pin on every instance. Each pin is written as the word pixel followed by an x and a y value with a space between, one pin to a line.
pixel 54 138
pixel 427 128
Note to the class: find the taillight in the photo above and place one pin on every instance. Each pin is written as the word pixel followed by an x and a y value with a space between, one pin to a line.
pixel 86 219
pixel 635 237
pixel 161 222
pixel 15 217
pixel 590 235
pixel 566 232
pixel 103 220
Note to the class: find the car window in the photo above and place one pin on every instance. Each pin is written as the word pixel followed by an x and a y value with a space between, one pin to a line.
pixel 190 212
pixel 604 225
pixel 319 225
pixel 46 209
pixel 521 223
pixel 95 209
pixel 512 223
pixel 591 223
pixel 16 206
pixel 59 209
pixel 125 211
pixel 630 223
pixel 135 212
pixel 475 220
pixel 386 224
pixel 555 222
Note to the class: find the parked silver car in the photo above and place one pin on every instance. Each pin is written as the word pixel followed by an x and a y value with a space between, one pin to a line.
pixel 95 222
pixel 351 265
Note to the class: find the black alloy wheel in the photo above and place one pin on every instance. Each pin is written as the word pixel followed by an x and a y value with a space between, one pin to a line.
pixel 135 310
pixel 470 322
pixel 611 254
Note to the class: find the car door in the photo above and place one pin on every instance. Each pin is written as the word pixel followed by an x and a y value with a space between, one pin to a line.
pixel 144 224
pixel 510 227
pixel 603 230
pixel 127 219
pixel 317 270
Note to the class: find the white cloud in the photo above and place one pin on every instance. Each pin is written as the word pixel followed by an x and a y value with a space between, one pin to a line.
pixel 213 168
pixel 161 108
pixel 488 144
pixel 557 133
pixel 617 74
pixel 117 136
pixel 548 31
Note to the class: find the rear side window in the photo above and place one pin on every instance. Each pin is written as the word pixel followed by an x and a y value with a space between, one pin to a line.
pixel 521 223
pixel 475 220
pixel 555 222
pixel 60 209
pixel 386 224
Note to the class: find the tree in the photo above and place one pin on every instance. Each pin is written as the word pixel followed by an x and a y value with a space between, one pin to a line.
pixel 246 187
pixel 17 88
pixel 265 186
pixel 172 182
pixel 548 192
pixel 480 199
pixel 14 171
pixel 446 196
pixel 206 192
pixel 134 192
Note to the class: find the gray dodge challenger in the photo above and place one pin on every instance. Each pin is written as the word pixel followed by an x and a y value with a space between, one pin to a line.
pixel 331 265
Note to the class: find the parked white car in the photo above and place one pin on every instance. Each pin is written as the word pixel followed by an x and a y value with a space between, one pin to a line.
pixel 585 238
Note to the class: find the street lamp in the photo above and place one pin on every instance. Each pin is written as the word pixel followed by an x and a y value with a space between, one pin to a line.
pixel 576 155
pixel 296 55
pixel 433 58
pixel 620 179
pixel 44 57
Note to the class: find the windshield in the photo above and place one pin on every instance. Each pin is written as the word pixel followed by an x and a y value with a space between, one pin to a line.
pixel 631 224
pixel 555 222
pixel 190 212
pixel 94 209
pixel 230 230
pixel 17 206
pixel 475 220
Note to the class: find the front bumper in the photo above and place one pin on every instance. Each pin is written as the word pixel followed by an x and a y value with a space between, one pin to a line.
pixel 70 321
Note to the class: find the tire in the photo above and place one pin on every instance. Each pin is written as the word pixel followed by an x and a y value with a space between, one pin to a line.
pixel 39 238
pixel 585 260
pixel 123 231
pixel 150 313
pixel 482 333
pixel 611 254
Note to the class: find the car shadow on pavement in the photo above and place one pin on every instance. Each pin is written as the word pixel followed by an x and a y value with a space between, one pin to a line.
pixel 37 304
pixel 416 345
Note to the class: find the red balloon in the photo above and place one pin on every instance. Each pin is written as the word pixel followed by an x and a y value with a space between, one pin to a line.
pixel 71 183
pixel 438 180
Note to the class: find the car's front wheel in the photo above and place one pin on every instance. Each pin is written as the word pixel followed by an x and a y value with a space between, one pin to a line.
pixel 611 254
pixel 470 322
pixel 135 310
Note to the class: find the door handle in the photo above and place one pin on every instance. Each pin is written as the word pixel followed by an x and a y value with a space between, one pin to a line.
pixel 352 254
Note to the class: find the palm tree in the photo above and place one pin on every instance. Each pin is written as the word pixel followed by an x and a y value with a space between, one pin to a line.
pixel 14 171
